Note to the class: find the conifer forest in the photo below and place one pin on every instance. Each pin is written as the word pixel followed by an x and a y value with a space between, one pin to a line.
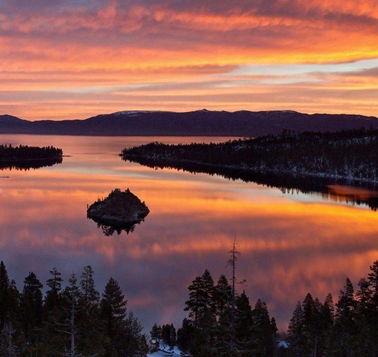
pixel 76 320
pixel 348 156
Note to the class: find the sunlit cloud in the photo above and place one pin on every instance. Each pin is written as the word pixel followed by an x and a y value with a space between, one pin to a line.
pixel 74 59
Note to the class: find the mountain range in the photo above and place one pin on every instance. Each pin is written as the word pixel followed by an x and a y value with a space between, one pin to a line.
pixel 195 123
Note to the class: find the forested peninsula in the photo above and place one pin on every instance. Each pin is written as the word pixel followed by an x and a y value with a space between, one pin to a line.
pixel 24 157
pixel 349 156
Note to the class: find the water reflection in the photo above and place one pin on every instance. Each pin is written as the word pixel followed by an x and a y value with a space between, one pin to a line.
pixel 353 195
pixel 289 247
pixel 109 230
pixel 28 164
pixel 326 187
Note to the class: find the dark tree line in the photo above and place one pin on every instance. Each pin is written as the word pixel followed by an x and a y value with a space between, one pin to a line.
pixel 221 324
pixel 346 155
pixel 25 157
pixel 25 152
pixel 71 321
pixel 345 329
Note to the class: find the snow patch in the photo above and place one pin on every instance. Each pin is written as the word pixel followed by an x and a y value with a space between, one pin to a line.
pixel 166 353
pixel 133 113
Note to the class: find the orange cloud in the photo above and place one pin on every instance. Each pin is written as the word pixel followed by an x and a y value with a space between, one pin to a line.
pixel 67 60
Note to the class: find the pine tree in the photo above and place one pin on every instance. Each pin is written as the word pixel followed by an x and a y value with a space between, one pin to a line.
pixel 143 347
pixel 222 300
pixel 9 313
pixel 4 290
pixel 234 254
pixel 156 332
pixel 156 335
pixel 32 307
pixel 113 313
pixel 122 331
pixel 369 293
pixel 295 333
pixel 67 326
pixel 52 295
pixel 364 319
pixel 201 309
pixel 264 331
pixel 343 341
pixel 168 335
pixel 88 315
pixel 185 336
pixel 373 281
pixel 132 342
pixel 328 312
pixel 208 307
pixel 244 339
pixel 233 343
pixel 113 307
pixel 326 324
pixel 90 297
pixel 201 304
pixel 194 304
pixel 53 341
pixel 310 328
pixel 364 297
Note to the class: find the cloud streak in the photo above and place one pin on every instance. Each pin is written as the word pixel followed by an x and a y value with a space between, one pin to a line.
pixel 72 44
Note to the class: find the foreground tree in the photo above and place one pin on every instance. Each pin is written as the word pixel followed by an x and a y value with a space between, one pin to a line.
pixel 264 331
pixel 122 331
pixel 68 322
pixel 88 321
pixel 32 310
pixel 295 334
pixel 185 336
pixel 52 299
pixel 352 330
pixel 9 313
pixel 201 309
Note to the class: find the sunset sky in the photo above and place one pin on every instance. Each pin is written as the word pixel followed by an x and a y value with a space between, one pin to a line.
pixel 71 59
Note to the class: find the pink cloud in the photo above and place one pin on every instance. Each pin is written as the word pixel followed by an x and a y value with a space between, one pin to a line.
pixel 163 45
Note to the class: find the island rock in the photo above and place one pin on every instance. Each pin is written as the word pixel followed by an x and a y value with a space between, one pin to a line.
pixel 119 209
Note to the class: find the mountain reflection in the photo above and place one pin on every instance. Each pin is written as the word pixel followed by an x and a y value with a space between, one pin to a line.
pixel 327 188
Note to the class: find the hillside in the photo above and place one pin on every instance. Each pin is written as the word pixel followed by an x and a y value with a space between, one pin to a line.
pixel 309 162
pixel 196 123
pixel 349 155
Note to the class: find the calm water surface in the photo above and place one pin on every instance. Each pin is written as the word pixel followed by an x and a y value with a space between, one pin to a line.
pixel 291 244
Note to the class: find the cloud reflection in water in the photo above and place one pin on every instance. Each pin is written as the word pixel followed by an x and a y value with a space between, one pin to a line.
pixel 288 247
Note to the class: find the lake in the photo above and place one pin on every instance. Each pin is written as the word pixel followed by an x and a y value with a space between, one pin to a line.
pixel 291 243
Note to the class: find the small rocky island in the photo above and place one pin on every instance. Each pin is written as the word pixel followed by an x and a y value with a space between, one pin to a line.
pixel 119 211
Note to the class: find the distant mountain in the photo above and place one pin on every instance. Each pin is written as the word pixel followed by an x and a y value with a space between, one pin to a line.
pixel 196 123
